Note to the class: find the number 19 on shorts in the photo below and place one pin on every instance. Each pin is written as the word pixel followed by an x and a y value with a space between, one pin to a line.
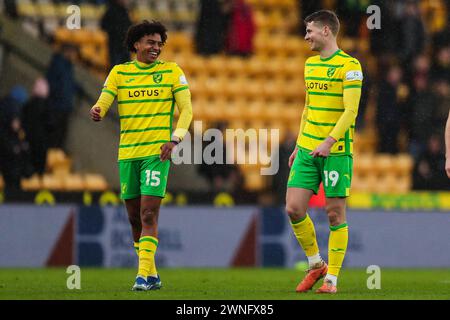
pixel 152 178
pixel 332 176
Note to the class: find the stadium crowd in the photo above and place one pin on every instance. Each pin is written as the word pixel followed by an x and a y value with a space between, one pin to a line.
pixel 407 77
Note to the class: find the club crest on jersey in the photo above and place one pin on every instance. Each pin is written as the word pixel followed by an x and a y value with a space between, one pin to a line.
pixel 330 72
pixel 157 77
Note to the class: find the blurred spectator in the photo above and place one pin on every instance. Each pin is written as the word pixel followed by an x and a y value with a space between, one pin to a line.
pixel 412 33
pixel 35 115
pixel 388 113
pixel 115 22
pixel 351 13
pixel 279 180
pixel 365 92
pixel 422 104
pixel 211 26
pixel 241 29
pixel 60 77
pixel 421 66
pixel 442 103
pixel 383 40
pixel 13 147
pixel 429 173
pixel 222 177
pixel 441 65
pixel 441 39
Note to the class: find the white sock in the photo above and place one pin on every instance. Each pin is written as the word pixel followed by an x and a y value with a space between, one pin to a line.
pixel 314 260
pixel 331 278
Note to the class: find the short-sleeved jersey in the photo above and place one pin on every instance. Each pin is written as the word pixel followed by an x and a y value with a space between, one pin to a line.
pixel 325 82
pixel 145 96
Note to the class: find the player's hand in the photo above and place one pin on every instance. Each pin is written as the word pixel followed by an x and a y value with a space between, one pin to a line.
pixel 323 150
pixel 447 167
pixel 292 157
pixel 166 150
pixel 95 113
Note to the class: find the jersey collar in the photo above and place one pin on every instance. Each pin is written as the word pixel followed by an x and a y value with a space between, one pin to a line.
pixel 144 66
pixel 330 57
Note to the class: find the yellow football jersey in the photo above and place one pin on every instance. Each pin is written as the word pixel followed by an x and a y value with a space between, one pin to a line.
pixel 145 95
pixel 325 82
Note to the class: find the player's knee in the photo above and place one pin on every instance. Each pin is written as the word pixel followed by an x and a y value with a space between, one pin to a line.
pixel 294 212
pixel 149 216
pixel 334 213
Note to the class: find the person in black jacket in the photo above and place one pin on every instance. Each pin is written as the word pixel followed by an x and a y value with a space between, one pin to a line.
pixel 13 147
pixel 35 115
pixel 212 23
pixel 428 171
pixel 63 88
pixel 389 112
pixel 115 22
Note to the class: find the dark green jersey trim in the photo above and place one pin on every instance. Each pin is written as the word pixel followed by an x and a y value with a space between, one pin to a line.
pixel 330 57
pixel 145 68
pixel 180 89
pixel 144 100
pixel 325 124
pixel 142 144
pixel 325 109
pixel 324 65
pixel 353 86
pixel 319 138
pixel 148 239
pixel 109 91
pixel 145 86
pixel 324 79
pixel 312 136
pixel 338 227
pixel 142 73
pixel 314 93
pixel 145 115
pixel 300 220
pixel 337 249
pixel 172 109
pixel 334 154
pixel 144 130
pixel 347 141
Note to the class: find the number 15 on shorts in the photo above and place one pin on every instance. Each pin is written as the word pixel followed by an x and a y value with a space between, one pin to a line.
pixel 332 176
pixel 152 178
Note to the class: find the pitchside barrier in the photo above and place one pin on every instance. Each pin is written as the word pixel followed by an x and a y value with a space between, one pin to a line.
pixel 204 236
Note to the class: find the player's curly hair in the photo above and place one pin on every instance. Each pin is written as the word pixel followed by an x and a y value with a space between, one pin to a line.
pixel 137 31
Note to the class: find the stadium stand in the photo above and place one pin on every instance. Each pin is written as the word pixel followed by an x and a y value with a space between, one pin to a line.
pixel 59 176
pixel 264 90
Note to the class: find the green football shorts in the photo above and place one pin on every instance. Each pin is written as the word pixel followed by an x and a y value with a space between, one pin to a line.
pixel 143 177
pixel 334 171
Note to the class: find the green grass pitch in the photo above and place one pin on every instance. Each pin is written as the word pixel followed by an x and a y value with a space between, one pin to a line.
pixel 218 284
